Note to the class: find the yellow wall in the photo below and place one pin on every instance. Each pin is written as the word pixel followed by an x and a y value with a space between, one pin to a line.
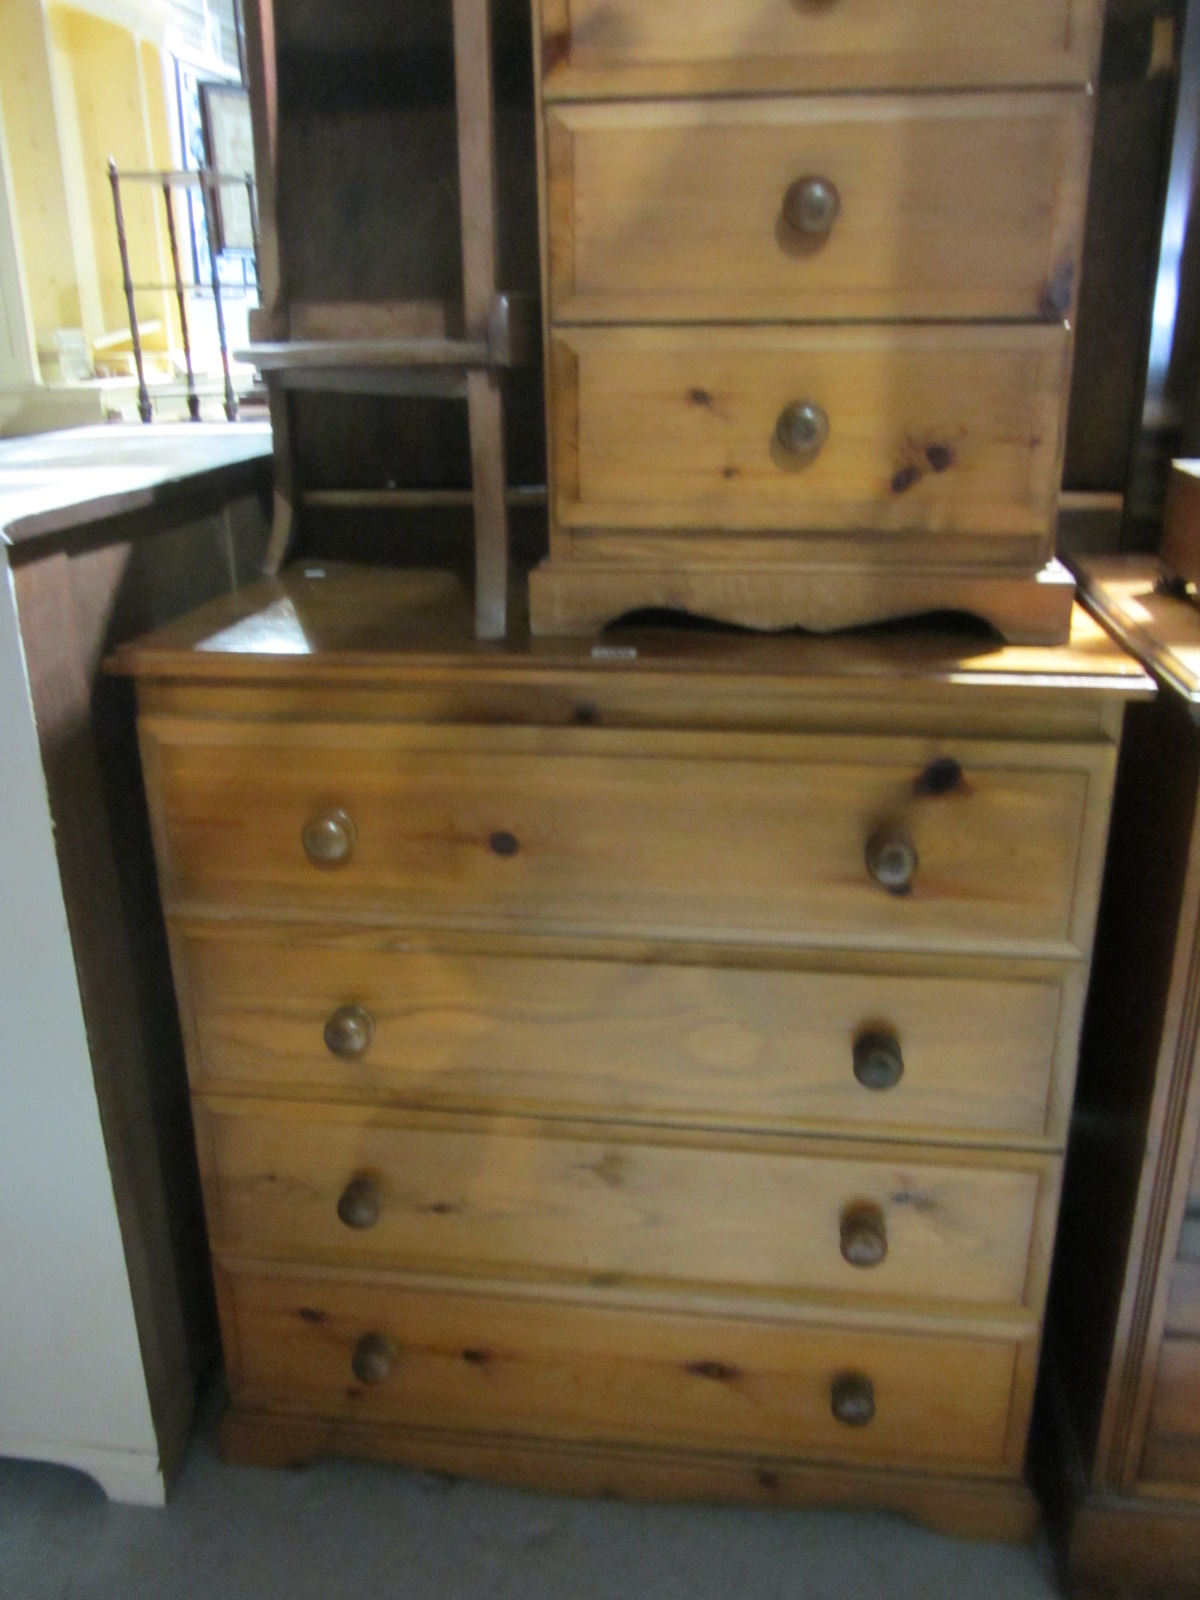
pixel 74 90
pixel 35 158
pixel 109 94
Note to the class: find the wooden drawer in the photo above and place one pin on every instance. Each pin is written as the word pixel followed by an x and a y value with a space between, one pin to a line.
pixel 1173 1438
pixel 607 47
pixel 507 1365
pixel 950 206
pixel 667 834
pixel 483 1196
pixel 930 429
pixel 692 1043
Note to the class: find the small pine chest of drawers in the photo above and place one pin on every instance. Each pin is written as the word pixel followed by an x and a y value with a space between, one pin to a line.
pixel 638 1066
pixel 809 271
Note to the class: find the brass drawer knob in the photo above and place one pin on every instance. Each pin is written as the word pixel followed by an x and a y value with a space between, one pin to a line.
pixel 853 1399
pixel 360 1203
pixel 349 1032
pixel 864 1235
pixel 811 206
pixel 878 1060
pixel 328 838
pixel 892 860
pixel 374 1357
pixel 801 431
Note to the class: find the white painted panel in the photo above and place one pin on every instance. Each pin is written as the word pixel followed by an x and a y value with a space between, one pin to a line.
pixel 18 351
pixel 71 1375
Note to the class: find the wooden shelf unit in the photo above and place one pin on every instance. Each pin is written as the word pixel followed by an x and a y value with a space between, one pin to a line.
pixel 398 347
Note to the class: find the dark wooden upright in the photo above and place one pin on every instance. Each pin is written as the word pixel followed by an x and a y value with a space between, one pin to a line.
pixel 1121 1378
pixel 367 307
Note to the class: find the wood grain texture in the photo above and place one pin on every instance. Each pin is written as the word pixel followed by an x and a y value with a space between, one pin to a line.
pixel 544 1371
pixel 1172 1451
pixel 831 588
pixel 675 835
pixel 381 629
pixel 1125 1543
pixel 1129 595
pixel 964 1507
pixel 602 1154
pixel 1183 1300
pixel 474 100
pixel 1124 1310
pixel 633 47
pixel 605 1205
pixel 646 1040
pixel 951 206
pixel 930 428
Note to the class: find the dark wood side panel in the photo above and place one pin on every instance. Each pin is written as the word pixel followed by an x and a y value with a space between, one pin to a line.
pixel 1147 857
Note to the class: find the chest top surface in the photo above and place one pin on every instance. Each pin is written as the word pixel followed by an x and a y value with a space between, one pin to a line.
pixel 331 624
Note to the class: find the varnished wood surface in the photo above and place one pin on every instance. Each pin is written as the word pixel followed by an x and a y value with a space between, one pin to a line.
pixel 596 1205
pixel 826 589
pixel 670 834
pixel 490 1365
pixel 1123 1543
pixel 617 47
pixel 1124 1311
pixel 1131 596
pixel 324 622
pixel 553 1119
pixel 1180 549
pixel 1172 1453
pixel 55 488
pixel 963 1506
pixel 1183 1300
pixel 930 428
pixel 950 206
pixel 498 1030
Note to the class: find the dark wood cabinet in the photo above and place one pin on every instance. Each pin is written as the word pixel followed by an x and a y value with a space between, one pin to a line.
pixel 1121 1377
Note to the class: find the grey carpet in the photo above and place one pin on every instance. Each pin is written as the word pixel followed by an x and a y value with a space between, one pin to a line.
pixel 369 1532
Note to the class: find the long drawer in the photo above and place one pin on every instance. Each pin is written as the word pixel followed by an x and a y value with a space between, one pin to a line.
pixel 487 1196
pixel 922 206
pixel 900 430
pixel 488 1363
pixel 670 835
pixel 377 1016
pixel 604 47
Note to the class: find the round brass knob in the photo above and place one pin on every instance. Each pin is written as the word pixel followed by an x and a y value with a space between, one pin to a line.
pixel 853 1398
pixel 328 838
pixel 892 860
pixel 878 1060
pixel 811 206
pixel 802 430
pixel 349 1031
pixel 374 1357
pixel 864 1236
pixel 359 1206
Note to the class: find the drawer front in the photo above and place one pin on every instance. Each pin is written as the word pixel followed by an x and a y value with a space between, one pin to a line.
pixel 604 47
pixel 483 1197
pixel 1172 1451
pixel 592 834
pixel 908 429
pixel 487 1363
pixel 618 1038
pixel 947 206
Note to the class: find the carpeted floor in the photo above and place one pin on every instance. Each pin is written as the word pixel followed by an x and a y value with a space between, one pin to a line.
pixel 346 1529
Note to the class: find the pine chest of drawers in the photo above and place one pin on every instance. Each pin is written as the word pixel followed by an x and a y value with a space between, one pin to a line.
pixel 640 1067
pixel 809 268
